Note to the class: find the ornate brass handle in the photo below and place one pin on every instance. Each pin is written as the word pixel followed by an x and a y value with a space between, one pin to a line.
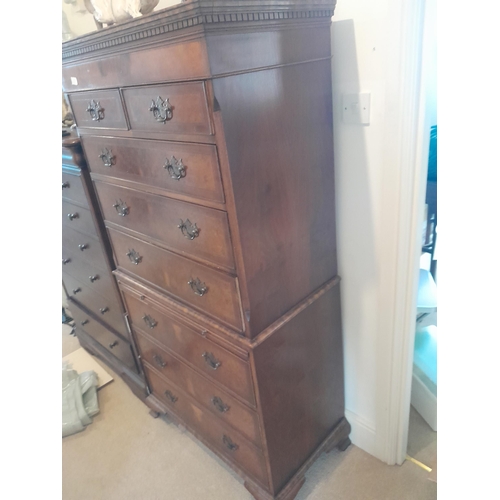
pixel 229 443
pixel 159 361
pixel 77 290
pixel 219 404
pixel 84 322
pixel 121 207
pixel 211 360
pixel 171 396
pixel 175 168
pixel 104 310
pixel 107 157
pixel 73 216
pixel 113 344
pixel 66 261
pixel 93 278
pixel 83 247
pixel 65 185
pixel 198 287
pixel 134 257
pixel 149 321
pixel 162 110
pixel 189 230
pixel 96 111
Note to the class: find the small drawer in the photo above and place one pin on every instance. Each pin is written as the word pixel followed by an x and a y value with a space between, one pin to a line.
pixel 120 348
pixel 205 289
pixel 219 435
pixel 102 109
pixel 107 308
pixel 79 247
pixel 206 393
pixel 192 230
pixel 78 218
pixel 96 278
pixel 72 189
pixel 190 170
pixel 219 365
pixel 169 109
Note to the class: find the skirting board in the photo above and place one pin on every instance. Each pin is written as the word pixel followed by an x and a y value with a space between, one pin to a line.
pixel 362 432
pixel 424 402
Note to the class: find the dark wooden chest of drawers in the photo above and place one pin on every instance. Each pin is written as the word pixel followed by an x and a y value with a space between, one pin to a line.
pixel 207 130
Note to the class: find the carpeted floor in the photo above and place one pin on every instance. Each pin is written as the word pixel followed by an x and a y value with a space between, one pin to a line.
pixel 125 454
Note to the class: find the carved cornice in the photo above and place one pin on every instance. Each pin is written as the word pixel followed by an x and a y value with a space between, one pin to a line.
pixel 202 13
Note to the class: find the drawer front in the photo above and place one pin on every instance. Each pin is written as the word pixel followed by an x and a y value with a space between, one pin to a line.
pixel 114 344
pixel 96 278
pixel 105 307
pixel 206 393
pixel 72 189
pixel 102 109
pixel 220 436
pixel 185 228
pixel 78 218
pixel 185 169
pixel 170 109
pixel 205 289
pixel 81 247
pixel 230 371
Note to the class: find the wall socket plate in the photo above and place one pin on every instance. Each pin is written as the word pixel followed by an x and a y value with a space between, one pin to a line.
pixel 356 109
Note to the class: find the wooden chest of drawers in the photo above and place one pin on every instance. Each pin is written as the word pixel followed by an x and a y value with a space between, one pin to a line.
pixel 207 129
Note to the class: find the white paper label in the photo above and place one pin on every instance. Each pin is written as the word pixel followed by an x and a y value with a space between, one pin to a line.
pixel 74 81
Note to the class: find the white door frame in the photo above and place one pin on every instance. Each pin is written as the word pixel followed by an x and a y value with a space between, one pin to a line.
pixel 410 139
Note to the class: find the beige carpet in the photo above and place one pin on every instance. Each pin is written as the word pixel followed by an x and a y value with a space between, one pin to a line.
pixel 127 455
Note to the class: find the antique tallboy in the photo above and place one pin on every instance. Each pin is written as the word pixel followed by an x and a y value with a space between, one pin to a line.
pixel 207 128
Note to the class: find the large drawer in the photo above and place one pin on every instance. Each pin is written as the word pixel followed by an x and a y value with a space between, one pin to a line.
pixel 186 169
pixel 189 344
pixel 210 428
pixel 78 218
pixel 79 247
pixel 72 189
pixel 205 289
pixel 102 109
pixel 105 307
pixel 170 109
pixel 208 394
pixel 120 348
pixel 192 230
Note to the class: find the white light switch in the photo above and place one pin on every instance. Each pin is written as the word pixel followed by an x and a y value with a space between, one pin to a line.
pixel 356 109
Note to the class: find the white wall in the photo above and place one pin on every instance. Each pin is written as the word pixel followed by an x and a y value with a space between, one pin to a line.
pixel 367 48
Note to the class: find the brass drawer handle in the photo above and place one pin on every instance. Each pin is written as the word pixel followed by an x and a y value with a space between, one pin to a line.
pixel 175 168
pixel 83 247
pixel 134 257
pixel 159 361
pixel 211 360
pixel 170 396
pixel 95 110
pixel 65 185
pixel 73 216
pixel 198 287
pixel 113 344
pixel 162 110
pixel 150 321
pixel 121 208
pixel 107 157
pixel 66 261
pixel 188 229
pixel 77 290
pixel 84 322
pixel 104 310
pixel 219 404
pixel 93 278
pixel 229 443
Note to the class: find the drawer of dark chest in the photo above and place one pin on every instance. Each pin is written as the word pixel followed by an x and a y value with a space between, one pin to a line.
pixel 120 348
pixel 106 307
pixel 78 247
pixel 72 189
pixel 213 292
pixel 78 218
pixel 185 169
pixel 213 360
pixel 219 435
pixel 96 278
